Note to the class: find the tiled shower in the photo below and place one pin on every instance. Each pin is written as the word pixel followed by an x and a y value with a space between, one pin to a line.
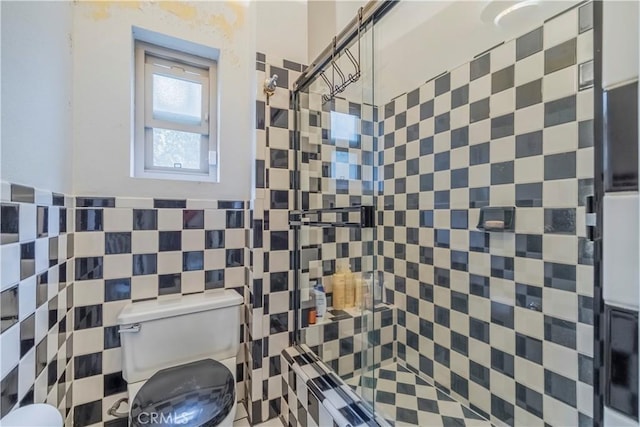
pixel 469 326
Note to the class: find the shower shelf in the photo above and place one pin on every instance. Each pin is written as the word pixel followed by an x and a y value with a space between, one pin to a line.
pixel 313 217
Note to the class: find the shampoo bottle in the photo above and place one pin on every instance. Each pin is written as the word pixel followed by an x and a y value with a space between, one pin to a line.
pixel 321 300
pixel 349 298
pixel 339 285
pixel 358 283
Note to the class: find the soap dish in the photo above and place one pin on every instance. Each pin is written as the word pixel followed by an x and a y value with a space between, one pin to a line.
pixel 497 218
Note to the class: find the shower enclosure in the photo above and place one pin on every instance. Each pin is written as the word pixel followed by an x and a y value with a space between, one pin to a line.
pixel 444 163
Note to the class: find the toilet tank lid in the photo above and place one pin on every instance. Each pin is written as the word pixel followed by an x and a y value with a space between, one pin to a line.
pixel 170 307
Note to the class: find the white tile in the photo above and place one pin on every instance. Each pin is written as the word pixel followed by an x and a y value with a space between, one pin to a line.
pixel 193 240
pixel 118 219
pixel 54 221
pixel 503 149
pixel 480 88
pixel 88 244
pixel 117 266
pixel 42 197
pixel 5 191
pixel 27 297
pixel 134 203
pixel 26 373
pixel 585 47
pixel 27 227
pixel 42 322
pixel 620 266
pixel 169 262
pixel 169 219
pixel 144 241
pixel 529 119
pixel 503 56
pixel 560 248
pixel 560 29
pixel 528 170
pixel 619 46
pixel 143 287
pixel 40 387
pixel 88 341
pixel 42 255
pixel 529 69
pixel 560 84
pixel 88 292
pixel 560 193
pixel 502 103
pixel 10 265
pixel 9 349
pixel 88 389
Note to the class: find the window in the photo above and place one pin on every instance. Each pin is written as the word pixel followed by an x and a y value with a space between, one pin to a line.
pixel 175 115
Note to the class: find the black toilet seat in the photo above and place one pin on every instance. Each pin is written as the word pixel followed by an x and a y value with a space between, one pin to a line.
pixel 197 394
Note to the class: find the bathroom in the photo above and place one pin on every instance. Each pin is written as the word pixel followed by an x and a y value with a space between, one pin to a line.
pixel 392 213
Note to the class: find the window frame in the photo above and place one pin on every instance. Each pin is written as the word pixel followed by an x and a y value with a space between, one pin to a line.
pixel 184 66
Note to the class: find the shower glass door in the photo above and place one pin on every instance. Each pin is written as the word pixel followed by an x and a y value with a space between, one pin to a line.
pixel 335 205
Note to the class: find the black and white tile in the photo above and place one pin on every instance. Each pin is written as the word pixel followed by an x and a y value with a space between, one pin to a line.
pixel 36 297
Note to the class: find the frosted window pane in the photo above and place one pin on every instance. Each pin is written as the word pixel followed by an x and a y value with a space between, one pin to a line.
pixel 176 100
pixel 174 149
pixel 344 126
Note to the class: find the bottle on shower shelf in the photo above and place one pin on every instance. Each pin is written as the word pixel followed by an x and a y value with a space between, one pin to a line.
pixel 349 297
pixel 339 289
pixel 358 285
pixel 320 298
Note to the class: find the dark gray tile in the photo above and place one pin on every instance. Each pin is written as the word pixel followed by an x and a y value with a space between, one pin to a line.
pixel 426 109
pixel 88 219
pixel 480 67
pixel 401 120
pixel 479 374
pixel 479 329
pixel 560 111
pixel 502 126
pixel 441 123
pixel 529 195
pixel 479 197
pixel 117 289
pixel 88 268
pixel 459 219
pixel 21 193
pixel 441 161
pixel 502 409
pixel 585 134
pixel 502 79
pixel 193 260
pixel 169 284
pixel 479 110
pixel 560 387
pixel 585 369
pixel 89 316
pixel 529 348
pixel 144 264
pixel 87 365
pixel 460 137
pixel 560 56
pixel 279 117
pixel 529 246
pixel 443 84
pixel 145 219
pixel 479 154
pixel 529 400
pixel 560 166
pixel 585 17
pixel 560 276
pixel 529 44
pixel 502 314
pixel 459 96
pixel 502 362
pixel 620 138
pixel 169 241
pixel 529 144
pixel 10 223
pixel 460 178
pixel 389 109
pixel 117 243
pixel 9 304
pixel 502 173
pixel 561 332
pixel 283 76
pixel 529 297
pixel 560 221
pixel 413 98
pixel 529 94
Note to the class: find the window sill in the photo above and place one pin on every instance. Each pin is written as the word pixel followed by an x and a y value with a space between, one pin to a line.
pixel 189 177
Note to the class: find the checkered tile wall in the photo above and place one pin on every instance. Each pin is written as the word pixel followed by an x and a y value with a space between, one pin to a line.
pixel 502 320
pixel 37 290
pixel 138 249
pixel 270 297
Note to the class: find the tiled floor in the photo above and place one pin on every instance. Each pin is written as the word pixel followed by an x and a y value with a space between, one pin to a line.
pixel 403 398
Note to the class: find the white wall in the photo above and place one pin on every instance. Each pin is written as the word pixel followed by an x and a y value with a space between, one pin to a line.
pixel 102 101
pixel 281 29
pixel 36 94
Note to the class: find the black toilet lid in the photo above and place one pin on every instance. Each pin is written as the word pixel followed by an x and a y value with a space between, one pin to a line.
pixel 197 394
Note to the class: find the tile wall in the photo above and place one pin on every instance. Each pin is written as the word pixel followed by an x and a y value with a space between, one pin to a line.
pixel 501 320
pixel 270 294
pixel 36 298
pixel 129 250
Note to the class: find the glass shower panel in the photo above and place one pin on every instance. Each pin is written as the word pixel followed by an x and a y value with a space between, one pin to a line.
pixel 335 205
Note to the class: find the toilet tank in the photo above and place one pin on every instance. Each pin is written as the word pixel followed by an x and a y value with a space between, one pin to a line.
pixel 162 333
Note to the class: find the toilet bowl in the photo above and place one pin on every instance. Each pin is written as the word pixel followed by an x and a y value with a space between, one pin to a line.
pixel 179 359
pixel 38 414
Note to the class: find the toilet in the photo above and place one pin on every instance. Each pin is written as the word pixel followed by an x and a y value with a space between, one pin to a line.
pixel 179 359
